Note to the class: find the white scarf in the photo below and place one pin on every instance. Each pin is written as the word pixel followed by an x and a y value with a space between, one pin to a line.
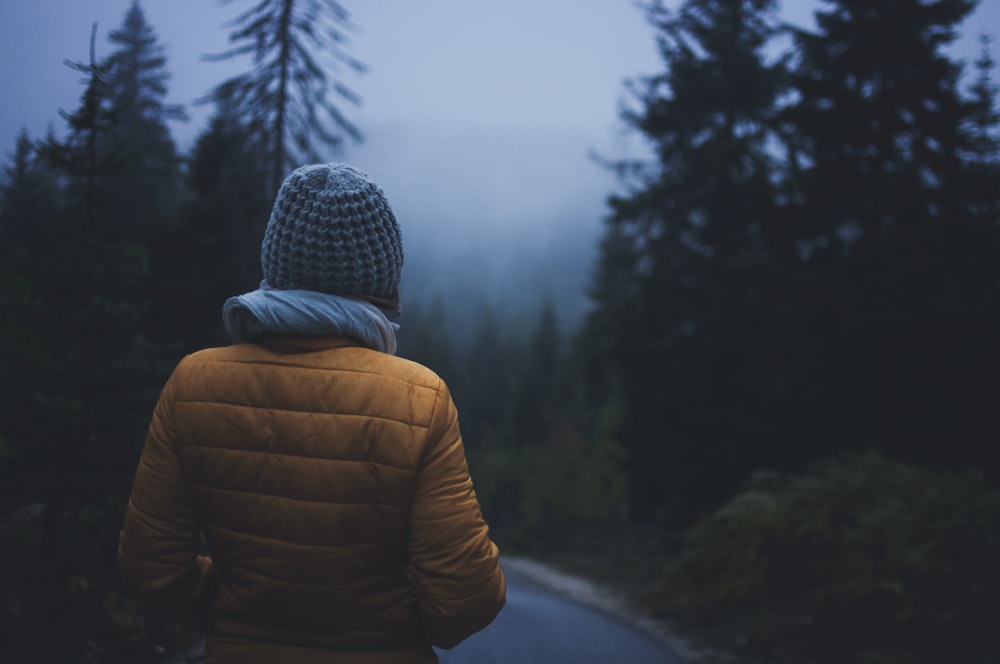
pixel 268 311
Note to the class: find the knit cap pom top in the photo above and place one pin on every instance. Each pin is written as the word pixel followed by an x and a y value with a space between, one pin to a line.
pixel 331 230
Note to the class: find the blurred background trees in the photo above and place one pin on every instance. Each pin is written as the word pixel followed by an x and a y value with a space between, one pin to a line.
pixel 808 271
pixel 806 267
pixel 144 191
pixel 688 268
pixel 288 99
pixel 789 352
pixel 77 372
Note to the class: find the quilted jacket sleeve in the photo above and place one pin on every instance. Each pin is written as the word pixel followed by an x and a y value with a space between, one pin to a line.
pixel 459 583
pixel 158 542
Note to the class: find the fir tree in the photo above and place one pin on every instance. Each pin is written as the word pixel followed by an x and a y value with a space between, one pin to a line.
pixel 683 259
pixel 147 184
pixel 880 116
pixel 290 96
pixel 77 383
pixel 537 377
pixel 219 236
pixel 28 198
pixel 81 157
pixel 137 75
pixel 426 337
pixel 485 386
pixel 902 280
pixel 983 130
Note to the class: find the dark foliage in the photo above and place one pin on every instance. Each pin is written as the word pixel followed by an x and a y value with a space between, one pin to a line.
pixel 144 190
pixel 806 267
pixel 77 376
pixel 690 263
pixel 811 256
pixel 287 97
pixel 858 560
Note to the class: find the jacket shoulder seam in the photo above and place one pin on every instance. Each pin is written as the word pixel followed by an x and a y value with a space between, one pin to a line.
pixel 307 411
pixel 247 492
pixel 428 381
pixel 243 450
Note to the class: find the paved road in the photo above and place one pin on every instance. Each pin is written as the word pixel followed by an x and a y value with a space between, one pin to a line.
pixel 538 626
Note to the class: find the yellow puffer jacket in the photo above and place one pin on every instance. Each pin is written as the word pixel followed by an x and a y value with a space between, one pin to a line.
pixel 331 486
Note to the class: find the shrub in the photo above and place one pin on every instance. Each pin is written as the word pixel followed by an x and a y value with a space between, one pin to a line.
pixel 862 559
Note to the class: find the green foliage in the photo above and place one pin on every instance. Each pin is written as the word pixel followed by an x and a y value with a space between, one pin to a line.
pixel 859 560
pixel 534 462
pixel 5 451
pixel 565 480
pixel 574 480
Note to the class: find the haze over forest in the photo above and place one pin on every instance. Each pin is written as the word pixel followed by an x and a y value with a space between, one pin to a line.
pixel 479 123
pixel 781 402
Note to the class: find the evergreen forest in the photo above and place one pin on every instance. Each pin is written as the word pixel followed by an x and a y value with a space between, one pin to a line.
pixel 782 398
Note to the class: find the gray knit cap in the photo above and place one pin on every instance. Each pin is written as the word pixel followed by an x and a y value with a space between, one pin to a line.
pixel 331 230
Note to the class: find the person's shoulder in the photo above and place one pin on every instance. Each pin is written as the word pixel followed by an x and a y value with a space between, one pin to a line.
pixel 354 359
pixel 404 369
pixel 210 361
pixel 233 353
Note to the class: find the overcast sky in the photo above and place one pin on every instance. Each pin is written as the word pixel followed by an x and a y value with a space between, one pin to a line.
pixel 478 114
pixel 554 64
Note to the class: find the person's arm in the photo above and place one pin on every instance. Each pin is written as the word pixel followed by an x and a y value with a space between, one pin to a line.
pixel 456 568
pixel 158 545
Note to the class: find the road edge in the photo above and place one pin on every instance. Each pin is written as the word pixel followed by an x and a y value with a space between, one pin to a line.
pixel 604 599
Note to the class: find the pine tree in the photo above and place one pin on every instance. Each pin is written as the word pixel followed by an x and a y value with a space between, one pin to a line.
pixel 219 235
pixel 137 75
pixel 902 280
pixel 485 385
pixel 685 257
pixel 426 337
pixel 77 384
pixel 289 96
pixel 983 129
pixel 28 198
pixel 146 187
pixel 537 376
pixel 81 158
pixel 879 112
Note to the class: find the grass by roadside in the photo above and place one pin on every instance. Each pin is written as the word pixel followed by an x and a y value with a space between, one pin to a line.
pixel 860 560
pixel 620 566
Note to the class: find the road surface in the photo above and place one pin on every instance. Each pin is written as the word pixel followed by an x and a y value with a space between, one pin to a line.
pixel 538 625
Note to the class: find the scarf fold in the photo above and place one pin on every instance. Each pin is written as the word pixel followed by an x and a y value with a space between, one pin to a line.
pixel 271 312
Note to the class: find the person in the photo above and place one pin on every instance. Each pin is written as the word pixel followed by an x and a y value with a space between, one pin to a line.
pixel 326 476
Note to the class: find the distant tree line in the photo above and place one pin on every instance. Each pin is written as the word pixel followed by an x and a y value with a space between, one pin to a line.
pixel 806 268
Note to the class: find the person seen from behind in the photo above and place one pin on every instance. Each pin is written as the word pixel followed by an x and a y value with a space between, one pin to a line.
pixel 326 476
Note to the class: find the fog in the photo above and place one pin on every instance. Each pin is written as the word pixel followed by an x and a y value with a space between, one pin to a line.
pixel 479 119
pixel 510 215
